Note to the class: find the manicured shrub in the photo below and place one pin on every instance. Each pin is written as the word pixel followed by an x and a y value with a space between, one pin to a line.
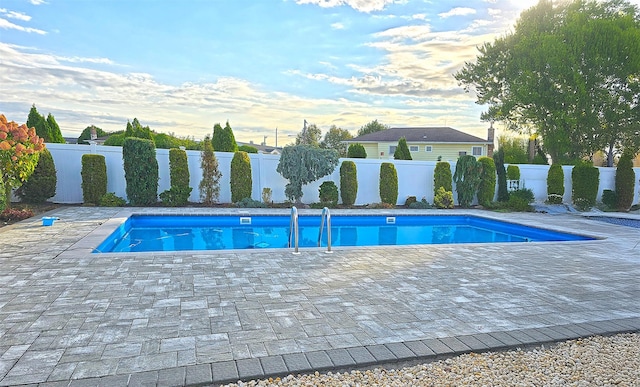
pixel 241 183
pixel 555 184
pixel 111 200
pixel 178 194
pixel 422 204
pixel 609 199
pixel 524 194
pixel 402 150
pixel 210 184
pixel 41 185
pixel 487 188
pixel 410 200
pixel 498 159
pixel 517 203
pixel 467 178
pixel 388 184
pixel 625 181
pixel 442 177
pixel 443 199
pixel 356 151
pixel 328 193
pixel 513 172
pixel 348 182
pixel 94 178
pixel 585 179
pixel 140 171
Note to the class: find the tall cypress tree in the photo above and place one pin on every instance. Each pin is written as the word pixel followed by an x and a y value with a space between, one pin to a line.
pixel 217 141
pixel 229 139
pixel 54 130
pixel 37 120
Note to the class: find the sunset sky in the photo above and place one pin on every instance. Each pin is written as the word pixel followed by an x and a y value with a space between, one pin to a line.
pixel 182 66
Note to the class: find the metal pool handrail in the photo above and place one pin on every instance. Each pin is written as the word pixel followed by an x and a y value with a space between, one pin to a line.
pixel 293 229
pixel 326 214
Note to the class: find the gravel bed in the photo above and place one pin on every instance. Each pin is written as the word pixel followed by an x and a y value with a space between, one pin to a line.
pixel 593 361
pixel 619 221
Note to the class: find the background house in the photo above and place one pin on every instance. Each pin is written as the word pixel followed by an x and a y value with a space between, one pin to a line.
pixel 426 143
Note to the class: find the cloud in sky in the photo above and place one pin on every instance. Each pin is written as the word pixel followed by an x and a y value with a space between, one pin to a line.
pixel 15 15
pixel 7 25
pixel 458 11
pixel 183 68
pixel 359 5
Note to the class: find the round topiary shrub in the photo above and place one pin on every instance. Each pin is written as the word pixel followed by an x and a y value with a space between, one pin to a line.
pixel 356 151
pixel 348 182
pixel 41 185
pixel 388 184
pixel 241 181
pixel 328 193
pixel 443 199
pixel 585 179
pixel 555 184
pixel 487 188
pixel 625 182
pixel 442 177
pixel 94 178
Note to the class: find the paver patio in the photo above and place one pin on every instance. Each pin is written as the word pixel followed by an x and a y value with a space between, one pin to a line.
pixel 69 317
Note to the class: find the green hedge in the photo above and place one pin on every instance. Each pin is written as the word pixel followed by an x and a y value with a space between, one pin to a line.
pixel 487 188
pixel 356 151
pixel 555 184
pixel 140 171
pixel 241 183
pixel 585 179
pixel 388 184
pixel 625 182
pixel 94 178
pixel 348 182
pixel 41 185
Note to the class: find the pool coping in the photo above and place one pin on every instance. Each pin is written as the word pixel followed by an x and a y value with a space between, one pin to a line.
pixel 91 241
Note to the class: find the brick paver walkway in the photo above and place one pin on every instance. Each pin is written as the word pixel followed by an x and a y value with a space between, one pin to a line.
pixel 69 317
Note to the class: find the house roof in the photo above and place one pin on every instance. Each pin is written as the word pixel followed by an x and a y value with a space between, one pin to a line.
pixel 419 134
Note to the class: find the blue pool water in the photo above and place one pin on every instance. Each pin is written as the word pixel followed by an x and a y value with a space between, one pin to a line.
pixel 178 233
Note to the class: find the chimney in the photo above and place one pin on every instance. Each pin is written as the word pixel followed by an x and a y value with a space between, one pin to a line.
pixel 94 133
pixel 491 132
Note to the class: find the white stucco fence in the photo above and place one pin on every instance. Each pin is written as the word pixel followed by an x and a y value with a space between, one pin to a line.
pixel 415 178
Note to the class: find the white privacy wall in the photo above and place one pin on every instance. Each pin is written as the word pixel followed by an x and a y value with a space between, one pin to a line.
pixel 415 178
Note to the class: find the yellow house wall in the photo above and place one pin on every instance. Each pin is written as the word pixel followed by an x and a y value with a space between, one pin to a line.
pixel 448 152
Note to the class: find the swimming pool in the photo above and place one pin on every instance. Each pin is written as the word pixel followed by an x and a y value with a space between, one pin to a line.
pixel 140 233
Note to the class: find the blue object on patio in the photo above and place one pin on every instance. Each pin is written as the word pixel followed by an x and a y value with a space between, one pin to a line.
pixel 48 220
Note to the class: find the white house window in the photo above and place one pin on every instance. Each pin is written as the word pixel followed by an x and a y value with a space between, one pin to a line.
pixel 462 153
pixel 428 148
pixel 477 150
pixel 392 149
pixel 414 148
